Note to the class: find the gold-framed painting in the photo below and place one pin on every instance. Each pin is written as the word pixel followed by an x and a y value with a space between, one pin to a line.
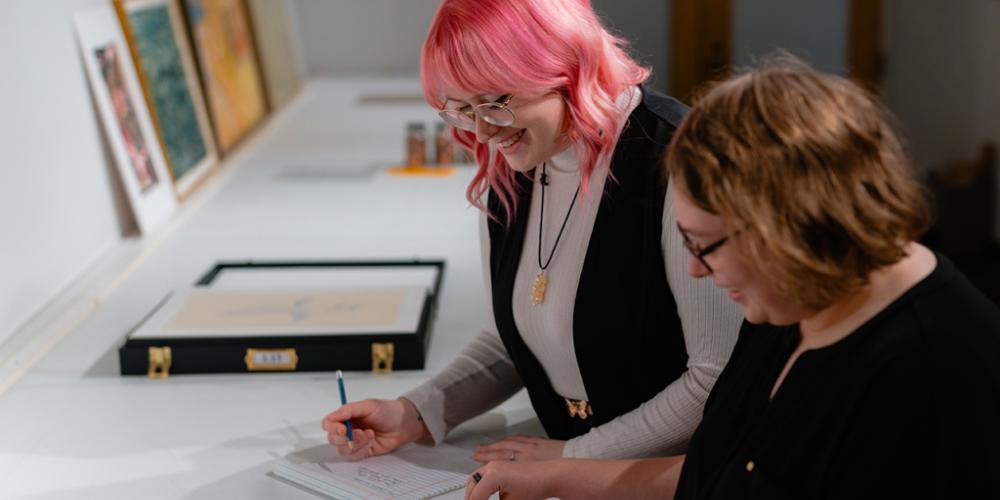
pixel 276 46
pixel 159 44
pixel 224 46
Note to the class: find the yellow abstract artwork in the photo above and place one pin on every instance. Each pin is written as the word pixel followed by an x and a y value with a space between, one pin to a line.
pixel 225 46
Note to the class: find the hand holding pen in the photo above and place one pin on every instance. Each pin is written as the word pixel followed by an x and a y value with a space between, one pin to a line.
pixel 373 426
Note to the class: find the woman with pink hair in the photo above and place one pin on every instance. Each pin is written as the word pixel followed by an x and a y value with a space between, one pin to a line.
pixel 592 310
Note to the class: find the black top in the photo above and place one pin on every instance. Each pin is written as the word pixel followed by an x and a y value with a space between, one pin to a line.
pixel 626 331
pixel 907 406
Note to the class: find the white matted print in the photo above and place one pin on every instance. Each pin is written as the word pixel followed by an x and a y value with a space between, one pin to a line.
pixel 126 120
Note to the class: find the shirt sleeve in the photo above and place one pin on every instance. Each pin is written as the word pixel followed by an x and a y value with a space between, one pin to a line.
pixel 664 424
pixel 481 377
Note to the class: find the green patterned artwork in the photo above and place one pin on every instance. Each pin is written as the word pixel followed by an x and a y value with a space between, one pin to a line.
pixel 155 43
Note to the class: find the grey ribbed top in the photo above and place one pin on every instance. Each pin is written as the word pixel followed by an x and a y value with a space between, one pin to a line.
pixel 482 376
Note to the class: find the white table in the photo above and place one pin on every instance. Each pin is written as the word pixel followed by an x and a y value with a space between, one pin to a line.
pixel 71 427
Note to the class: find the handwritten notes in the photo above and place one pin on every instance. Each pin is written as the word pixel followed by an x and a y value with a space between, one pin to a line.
pixel 413 472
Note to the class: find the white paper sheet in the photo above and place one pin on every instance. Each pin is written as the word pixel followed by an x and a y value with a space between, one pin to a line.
pixel 414 472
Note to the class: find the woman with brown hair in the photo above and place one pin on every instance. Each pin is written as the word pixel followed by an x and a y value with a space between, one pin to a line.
pixel 868 366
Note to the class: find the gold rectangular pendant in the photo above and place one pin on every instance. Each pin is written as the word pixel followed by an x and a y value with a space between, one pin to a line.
pixel 538 289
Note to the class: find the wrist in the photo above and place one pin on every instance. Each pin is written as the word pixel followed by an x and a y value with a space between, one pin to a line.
pixel 413 423
pixel 553 484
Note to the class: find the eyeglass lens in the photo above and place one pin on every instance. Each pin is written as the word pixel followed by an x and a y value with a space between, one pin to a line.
pixel 494 113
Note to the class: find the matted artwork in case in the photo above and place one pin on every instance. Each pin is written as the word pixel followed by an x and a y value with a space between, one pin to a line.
pixel 224 44
pixel 158 38
pixel 125 118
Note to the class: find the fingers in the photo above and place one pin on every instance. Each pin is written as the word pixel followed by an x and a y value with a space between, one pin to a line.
pixel 358 410
pixel 504 450
pixel 362 446
pixel 470 484
pixel 334 425
pixel 529 440
pixel 488 484
pixel 360 451
pixel 494 456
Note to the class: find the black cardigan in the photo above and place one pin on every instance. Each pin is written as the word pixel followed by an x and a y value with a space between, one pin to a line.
pixel 626 331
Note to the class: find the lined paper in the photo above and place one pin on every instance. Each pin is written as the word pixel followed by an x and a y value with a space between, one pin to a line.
pixel 412 473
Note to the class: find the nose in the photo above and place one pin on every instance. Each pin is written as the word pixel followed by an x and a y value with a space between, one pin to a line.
pixel 484 130
pixel 697 269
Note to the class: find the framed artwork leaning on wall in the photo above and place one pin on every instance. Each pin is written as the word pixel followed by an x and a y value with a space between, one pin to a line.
pixel 125 118
pixel 158 41
pixel 276 46
pixel 227 61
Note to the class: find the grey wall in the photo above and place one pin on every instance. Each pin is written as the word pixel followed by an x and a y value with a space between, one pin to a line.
pixel 645 24
pixel 348 37
pixel 931 76
pixel 57 200
pixel 815 30
pixel 345 37
pixel 943 76
pixel 988 92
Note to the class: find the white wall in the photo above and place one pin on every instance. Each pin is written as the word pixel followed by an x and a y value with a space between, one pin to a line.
pixel 343 37
pixel 57 206
pixel 815 30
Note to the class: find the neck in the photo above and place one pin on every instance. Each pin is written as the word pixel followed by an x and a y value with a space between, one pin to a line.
pixel 564 159
pixel 830 324
pixel 847 314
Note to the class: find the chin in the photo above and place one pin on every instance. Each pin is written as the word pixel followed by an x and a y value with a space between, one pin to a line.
pixel 758 315
pixel 754 316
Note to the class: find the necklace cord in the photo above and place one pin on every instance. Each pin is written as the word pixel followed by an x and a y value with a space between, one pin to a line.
pixel 541 221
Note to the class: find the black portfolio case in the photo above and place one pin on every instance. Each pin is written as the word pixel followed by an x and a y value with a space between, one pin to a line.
pixel 379 352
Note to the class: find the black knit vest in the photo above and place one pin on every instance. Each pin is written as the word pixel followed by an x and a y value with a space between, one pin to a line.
pixel 627 335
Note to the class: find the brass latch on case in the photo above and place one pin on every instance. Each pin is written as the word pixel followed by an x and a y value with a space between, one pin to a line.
pixel 271 359
pixel 382 354
pixel 159 362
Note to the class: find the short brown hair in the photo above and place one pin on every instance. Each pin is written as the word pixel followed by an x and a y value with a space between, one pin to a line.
pixel 807 166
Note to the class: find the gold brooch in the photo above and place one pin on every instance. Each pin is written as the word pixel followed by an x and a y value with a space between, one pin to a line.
pixel 579 408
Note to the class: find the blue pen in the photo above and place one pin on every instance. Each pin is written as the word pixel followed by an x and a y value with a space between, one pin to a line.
pixel 343 401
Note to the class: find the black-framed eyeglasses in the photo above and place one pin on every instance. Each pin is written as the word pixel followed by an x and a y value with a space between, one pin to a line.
pixel 495 113
pixel 697 251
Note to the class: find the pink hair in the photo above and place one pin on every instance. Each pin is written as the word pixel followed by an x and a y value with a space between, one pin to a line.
pixel 529 46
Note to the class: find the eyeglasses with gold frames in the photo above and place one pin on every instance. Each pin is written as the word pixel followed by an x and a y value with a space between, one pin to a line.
pixel 496 113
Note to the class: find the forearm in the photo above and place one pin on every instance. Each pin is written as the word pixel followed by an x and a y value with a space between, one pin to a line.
pixel 654 478
pixel 478 379
pixel 661 426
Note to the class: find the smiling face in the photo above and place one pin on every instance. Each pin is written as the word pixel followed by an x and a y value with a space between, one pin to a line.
pixel 535 135
pixel 731 267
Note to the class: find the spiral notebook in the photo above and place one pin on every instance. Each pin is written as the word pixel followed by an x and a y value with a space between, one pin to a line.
pixel 414 472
